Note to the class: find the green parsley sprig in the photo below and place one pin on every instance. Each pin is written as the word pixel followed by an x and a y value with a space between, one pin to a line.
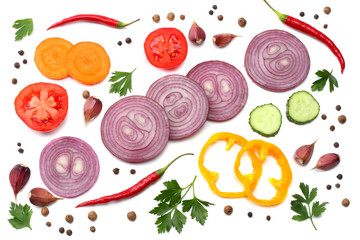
pixel 324 75
pixel 169 199
pixel 24 26
pixel 299 205
pixel 122 82
pixel 21 215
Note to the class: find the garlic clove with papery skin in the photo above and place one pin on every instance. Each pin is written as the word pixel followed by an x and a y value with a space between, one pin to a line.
pixel 92 108
pixel 196 34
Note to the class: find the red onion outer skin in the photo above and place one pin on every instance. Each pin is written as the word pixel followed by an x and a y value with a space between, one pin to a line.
pixel 184 102
pixel 277 61
pixel 60 166
pixel 225 87
pixel 135 129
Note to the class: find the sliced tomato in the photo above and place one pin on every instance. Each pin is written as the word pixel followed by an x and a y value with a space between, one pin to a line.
pixel 42 106
pixel 166 47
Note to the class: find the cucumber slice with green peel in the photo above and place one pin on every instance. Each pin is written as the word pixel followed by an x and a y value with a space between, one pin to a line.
pixel 266 120
pixel 302 108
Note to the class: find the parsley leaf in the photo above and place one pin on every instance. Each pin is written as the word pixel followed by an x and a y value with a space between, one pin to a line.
pixel 24 26
pixel 301 205
pixel 122 82
pixel 324 75
pixel 169 215
pixel 21 215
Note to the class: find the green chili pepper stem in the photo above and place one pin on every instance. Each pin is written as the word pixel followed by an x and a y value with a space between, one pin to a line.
pixel 161 171
pixel 121 24
pixel 281 16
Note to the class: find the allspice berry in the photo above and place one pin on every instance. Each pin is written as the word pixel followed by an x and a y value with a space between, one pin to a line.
pixel 44 211
pixel 342 119
pixel 156 18
pixel 92 216
pixel 92 229
pixel 345 202
pixel 170 16
pixel 228 210
pixel 327 10
pixel 69 218
pixel 242 22
pixel 131 216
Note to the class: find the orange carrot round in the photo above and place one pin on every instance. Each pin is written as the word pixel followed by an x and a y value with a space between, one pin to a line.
pixel 50 57
pixel 88 63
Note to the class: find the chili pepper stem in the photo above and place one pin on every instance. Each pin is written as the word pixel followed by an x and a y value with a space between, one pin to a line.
pixel 281 16
pixel 161 171
pixel 121 24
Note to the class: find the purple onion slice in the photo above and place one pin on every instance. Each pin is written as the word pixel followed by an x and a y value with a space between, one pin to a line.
pixel 225 87
pixel 135 129
pixel 277 61
pixel 184 102
pixel 68 166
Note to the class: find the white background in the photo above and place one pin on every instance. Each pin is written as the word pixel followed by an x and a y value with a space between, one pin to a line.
pixel 112 221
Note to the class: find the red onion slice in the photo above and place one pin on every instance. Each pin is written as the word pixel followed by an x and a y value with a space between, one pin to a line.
pixel 135 129
pixel 68 166
pixel 225 87
pixel 277 61
pixel 184 102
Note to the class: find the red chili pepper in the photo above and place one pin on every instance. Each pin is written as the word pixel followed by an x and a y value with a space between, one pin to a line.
pixel 306 28
pixel 134 190
pixel 93 18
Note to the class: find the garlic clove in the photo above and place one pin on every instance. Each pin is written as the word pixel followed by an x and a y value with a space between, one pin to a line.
pixel 41 197
pixel 92 108
pixel 196 34
pixel 19 176
pixel 223 39
pixel 304 153
pixel 328 161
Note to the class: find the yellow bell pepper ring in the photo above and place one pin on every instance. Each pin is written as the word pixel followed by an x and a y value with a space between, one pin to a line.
pixel 281 185
pixel 212 177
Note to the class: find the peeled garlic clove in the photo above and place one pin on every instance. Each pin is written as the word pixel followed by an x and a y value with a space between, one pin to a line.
pixel 92 108
pixel 328 161
pixel 223 39
pixel 196 34
pixel 304 153
pixel 41 197
pixel 18 177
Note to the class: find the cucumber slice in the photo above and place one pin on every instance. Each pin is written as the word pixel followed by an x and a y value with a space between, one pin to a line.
pixel 302 108
pixel 266 120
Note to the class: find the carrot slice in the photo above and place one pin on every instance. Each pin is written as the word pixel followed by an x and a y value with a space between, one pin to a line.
pixel 50 57
pixel 88 62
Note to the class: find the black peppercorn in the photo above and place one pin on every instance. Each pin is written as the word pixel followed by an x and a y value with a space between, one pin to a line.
pixel 268 217
pixel 19 144
pixel 332 128
pixel 128 40
pixel 214 7
pixel 220 17
pixel 24 61
pixel 61 230
pixel 328 187
pixel 339 176
pixel 211 12
pixel 338 107
pixel 323 116
pixel 14 81
pixel 336 144
pixel 16 65
pixel 92 229
pixel 119 43
pixel 250 214
pixel 337 185
pixel 316 16
pixel 325 26
pixel 182 17
pixel 21 52
pixel 20 150
pixel 69 232
pixel 302 14
pixel 116 171
pixel 48 224
pixel 132 171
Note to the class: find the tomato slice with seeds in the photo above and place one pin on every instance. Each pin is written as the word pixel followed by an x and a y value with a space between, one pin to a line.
pixel 166 47
pixel 42 106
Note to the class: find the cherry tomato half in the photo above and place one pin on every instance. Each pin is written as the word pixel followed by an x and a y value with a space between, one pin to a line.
pixel 42 106
pixel 166 47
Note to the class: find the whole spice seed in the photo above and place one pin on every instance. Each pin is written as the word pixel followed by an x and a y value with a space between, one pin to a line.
pixel 328 187
pixel 196 34
pixel 220 17
pixel 223 39
pixel 92 229
pixel 119 43
pixel 69 232
pixel 328 161
pixel 131 216
pixel 116 171
pixel 69 218
pixel 19 144
pixel 61 230
pixel 92 108
pixel 92 215
pixel 21 52
pixel 345 202
pixel 228 210
pixel 242 22
pixel 14 81
pixel 332 128
pixel 41 197
pixel 302 14
pixel 268 217
pixel 323 117
pixel 325 26
pixel 20 150
pixel 327 10
pixel 86 94
pixel 170 16
pixel 16 65
pixel 214 7
pixel 48 224
pixel 316 16
pixel 44 211
pixel 18 177
pixel 304 153
pixel 337 185
pixel 132 171
pixel 338 107
pixel 336 144
pixel 211 12
pixel 156 18
pixel 24 61
pixel 250 214
pixel 182 17
pixel 128 40
pixel 342 119
pixel 339 176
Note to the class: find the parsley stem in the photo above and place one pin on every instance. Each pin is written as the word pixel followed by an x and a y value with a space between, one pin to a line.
pixel 310 216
